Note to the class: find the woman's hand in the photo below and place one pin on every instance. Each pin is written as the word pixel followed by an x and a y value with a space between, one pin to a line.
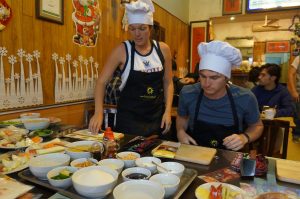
pixel 235 142
pixel 96 123
pixel 295 96
pixel 166 122
pixel 185 138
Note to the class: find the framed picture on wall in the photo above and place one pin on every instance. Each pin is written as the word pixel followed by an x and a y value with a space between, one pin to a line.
pixel 231 7
pixel 198 33
pixel 278 46
pixel 50 10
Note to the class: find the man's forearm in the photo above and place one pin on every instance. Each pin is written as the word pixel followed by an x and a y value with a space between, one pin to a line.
pixel 181 124
pixel 254 131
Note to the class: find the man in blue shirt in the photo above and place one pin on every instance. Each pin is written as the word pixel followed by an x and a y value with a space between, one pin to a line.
pixel 212 112
pixel 269 92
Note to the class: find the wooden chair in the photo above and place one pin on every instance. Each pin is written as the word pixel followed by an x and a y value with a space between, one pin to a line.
pixel 109 116
pixel 265 144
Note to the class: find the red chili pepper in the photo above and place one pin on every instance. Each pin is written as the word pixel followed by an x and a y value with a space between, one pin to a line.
pixel 219 192
pixel 213 192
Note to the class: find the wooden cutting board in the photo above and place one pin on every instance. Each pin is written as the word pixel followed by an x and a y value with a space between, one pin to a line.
pixel 288 171
pixel 195 154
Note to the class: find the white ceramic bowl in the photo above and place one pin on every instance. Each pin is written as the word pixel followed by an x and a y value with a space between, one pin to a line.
pixel 174 168
pixel 112 163
pixel 169 181
pixel 61 183
pixel 95 181
pixel 128 157
pixel 36 123
pixel 41 165
pixel 29 115
pixel 139 189
pixel 75 162
pixel 78 154
pixel 146 162
pixel 135 170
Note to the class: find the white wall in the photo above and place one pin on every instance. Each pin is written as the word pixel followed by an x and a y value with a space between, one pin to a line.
pixel 204 9
pixel 242 29
pixel 179 8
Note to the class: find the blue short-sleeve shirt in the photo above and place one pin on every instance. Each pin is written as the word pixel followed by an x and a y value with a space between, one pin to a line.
pixel 218 111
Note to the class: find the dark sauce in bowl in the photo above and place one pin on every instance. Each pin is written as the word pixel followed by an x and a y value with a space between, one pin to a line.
pixel 136 176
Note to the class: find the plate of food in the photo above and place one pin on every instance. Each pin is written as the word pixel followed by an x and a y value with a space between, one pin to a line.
pixel 16 138
pixel 54 146
pixel 13 162
pixel 220 190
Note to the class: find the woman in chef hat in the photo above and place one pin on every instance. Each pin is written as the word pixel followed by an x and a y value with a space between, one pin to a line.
pixel 145 102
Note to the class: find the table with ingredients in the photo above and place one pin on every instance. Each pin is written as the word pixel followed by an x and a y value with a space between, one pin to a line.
pixel 55 162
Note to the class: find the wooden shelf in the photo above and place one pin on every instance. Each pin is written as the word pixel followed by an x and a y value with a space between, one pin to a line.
pixel 287 14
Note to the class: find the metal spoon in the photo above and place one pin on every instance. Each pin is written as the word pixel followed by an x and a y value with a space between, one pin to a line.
pixel 158 165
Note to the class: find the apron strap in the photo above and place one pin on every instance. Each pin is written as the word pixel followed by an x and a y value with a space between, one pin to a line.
pixel 233 108
pixel 198 106
pixel 132 55
pixel 158 50
pixel 234 112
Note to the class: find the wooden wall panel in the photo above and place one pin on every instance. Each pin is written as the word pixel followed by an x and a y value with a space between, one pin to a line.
pixel 27 32
pixel 73 114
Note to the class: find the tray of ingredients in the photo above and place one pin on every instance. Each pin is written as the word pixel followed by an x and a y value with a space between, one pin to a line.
pixel 113 178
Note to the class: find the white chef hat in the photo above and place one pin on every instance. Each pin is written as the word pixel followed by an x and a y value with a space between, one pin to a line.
pixel 140 11
pixel 219 56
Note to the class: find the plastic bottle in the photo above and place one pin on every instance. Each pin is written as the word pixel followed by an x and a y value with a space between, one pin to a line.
pixel 97 150
pixel 110 144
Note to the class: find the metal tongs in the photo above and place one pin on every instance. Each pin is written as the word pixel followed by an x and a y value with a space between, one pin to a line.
pixel 143 138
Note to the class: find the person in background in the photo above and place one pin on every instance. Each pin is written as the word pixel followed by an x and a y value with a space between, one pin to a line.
pixel 145 102
pixel 180 82
pixel 212 113
pixel 269 92
pixel 253 77
pixel 294 88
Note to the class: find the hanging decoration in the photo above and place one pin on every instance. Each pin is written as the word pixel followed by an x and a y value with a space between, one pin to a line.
pixel 86 17
pixel 20 89
pixel 74 80
pixel 5 14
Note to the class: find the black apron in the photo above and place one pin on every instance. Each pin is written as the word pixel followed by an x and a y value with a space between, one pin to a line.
pixel 141 103
pixel 212 135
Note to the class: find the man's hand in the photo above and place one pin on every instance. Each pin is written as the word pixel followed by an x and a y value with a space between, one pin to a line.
pixel 185 138
pixel 235 142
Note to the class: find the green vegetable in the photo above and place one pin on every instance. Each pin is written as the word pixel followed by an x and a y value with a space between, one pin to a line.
pixel 43 132
pixel 63 174
pixel 10 123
